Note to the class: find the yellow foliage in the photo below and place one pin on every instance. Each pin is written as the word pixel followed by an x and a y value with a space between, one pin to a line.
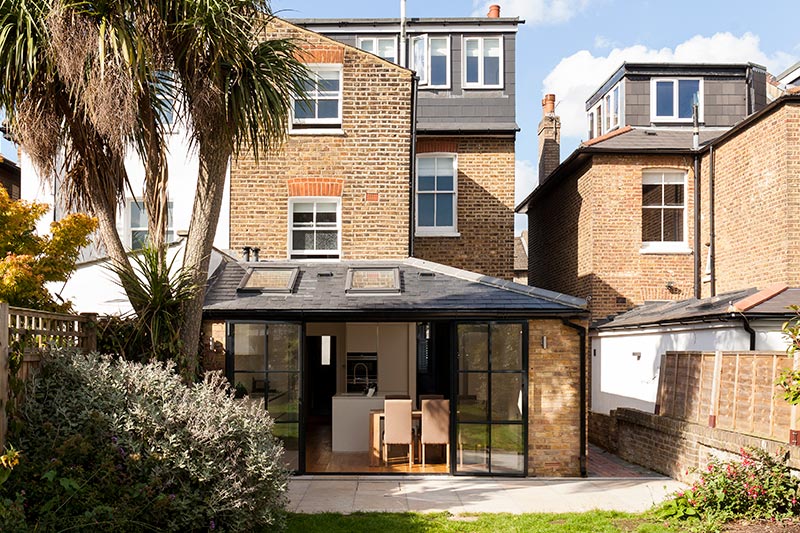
pixel 29 260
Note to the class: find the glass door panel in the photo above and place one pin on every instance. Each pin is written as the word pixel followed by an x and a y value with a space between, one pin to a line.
pixel 266 369
pixel 491 405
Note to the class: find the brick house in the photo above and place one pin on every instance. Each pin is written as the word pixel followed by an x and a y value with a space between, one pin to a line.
pixel 10 177
pixel 377 250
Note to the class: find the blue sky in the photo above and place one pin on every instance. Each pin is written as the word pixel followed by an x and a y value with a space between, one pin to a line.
pixel 569 47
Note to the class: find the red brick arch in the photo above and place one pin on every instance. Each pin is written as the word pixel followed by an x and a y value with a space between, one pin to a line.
pixel 315 186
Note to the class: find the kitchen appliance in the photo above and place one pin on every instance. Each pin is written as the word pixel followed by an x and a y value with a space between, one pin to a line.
pixel 362 371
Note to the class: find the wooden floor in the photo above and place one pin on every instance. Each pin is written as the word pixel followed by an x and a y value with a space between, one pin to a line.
pixel 320 458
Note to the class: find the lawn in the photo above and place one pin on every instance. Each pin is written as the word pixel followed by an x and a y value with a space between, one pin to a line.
pixel 590 522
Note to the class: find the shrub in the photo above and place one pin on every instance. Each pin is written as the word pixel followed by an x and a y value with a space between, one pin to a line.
pixel 757 485
pixel 112 445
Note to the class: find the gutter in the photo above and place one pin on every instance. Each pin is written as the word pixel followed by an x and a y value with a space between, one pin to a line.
pixel 582 335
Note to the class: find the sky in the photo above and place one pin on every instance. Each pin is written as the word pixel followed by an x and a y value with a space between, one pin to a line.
pixel 570 47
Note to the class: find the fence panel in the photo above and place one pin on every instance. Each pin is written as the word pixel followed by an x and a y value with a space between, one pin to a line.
pixel 748 400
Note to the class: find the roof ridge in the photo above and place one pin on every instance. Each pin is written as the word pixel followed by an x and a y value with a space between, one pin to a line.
pixel 758 298
pixel 606 136
pixel 551 296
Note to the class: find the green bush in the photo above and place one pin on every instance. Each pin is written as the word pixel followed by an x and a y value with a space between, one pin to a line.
pixel 112 445
pixel 757 485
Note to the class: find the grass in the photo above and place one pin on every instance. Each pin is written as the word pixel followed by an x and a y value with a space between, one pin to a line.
pixel 589 522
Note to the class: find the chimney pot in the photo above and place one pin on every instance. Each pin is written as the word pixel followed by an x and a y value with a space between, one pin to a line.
pixel 549 104
pixel 246 254
pixel 494 11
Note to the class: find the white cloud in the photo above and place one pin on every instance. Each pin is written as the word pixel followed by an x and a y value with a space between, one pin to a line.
pixel 576 77
pixel 602 42
pixel 533 11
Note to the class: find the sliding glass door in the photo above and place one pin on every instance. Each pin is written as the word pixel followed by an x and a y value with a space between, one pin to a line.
pixel 264 366
pixel 491 398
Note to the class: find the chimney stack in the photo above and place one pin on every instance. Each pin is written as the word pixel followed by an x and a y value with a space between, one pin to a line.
pixel 494 11
pixel 549 138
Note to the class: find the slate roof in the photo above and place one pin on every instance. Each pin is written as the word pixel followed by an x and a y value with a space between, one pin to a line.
pixel 655 139
pixel 722 306
pixel 521 252
pixel 439 291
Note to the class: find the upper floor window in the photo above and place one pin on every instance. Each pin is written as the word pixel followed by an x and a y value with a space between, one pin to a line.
pixel 671 100
pixel 607 113
pixel 385 47
pixel 664 211
pixel 137 224
pixel 322 107
pixel 315 228
pixel 483 62
pixel 430 58
pixel 436 194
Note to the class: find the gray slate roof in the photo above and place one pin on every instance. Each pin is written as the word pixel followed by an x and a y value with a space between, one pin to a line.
pixel 656 139
pixel 450 292
pixel 655 313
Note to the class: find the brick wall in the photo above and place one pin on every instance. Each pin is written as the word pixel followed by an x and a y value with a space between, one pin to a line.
pixel 757 193
pixel 368 162
pixel 554 415
pixel 485 207
pixel 586 236
pixel 672 447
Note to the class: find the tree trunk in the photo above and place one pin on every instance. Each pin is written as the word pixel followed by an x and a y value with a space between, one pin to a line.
pixel 214 154
pixel 155 178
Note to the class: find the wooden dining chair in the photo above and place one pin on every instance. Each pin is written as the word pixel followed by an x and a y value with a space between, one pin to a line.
pixel 436 426
pixel 397 427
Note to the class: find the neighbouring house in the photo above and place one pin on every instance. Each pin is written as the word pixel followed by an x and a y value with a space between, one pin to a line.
pixel 649 222
pixel 10 177
pixel 521 258
pixel 377 257
pixel 789 79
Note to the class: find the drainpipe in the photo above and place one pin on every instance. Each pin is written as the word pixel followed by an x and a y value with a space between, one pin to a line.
pixel 749 329
pixel 403 39
pixel 582 335
pixel 696 245
pixel 711 230
pixel 412 167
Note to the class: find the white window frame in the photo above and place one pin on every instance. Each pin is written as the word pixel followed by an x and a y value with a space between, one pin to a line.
pixel 667 247
pixel 481 77
pixel 436 231
pixel 310 126
pixel 130 228
pixel 654 118
pixel 424 71
pixel 315 254
pixel 602 109
pixel 375 46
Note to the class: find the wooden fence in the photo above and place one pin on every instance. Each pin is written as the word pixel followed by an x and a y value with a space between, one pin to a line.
pixel 734 391
pixel 33 332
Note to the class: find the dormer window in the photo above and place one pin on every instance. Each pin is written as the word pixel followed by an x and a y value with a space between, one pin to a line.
pixel 385 47
pixel 607 114
pixel 483 62
pixel 671 100
pixel 430 58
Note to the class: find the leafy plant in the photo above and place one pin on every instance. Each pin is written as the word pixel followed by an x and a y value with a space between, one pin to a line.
pixel 113 445
pixel 789 380
pixel 757 485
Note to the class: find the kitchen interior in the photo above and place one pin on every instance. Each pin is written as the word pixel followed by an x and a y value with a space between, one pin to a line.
pixel 352 368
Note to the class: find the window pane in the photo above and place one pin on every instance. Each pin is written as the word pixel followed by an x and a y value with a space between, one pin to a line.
pixel 325 218
pixel 386 49
pixel 651 194
pixel 506 396
pixel 368 45
pixel 303 240
pixel 673 225
pixel 688 93
pixel 444 166
pixel 303 213
pixel 473 393
pixel 138 239
pixel 444 183
pixel 426 183
pixel 506 347
pixel 138 215
pixel 473 345
pixel 491 62
pixel 472 53
pixel 673 195
pixel 508 453
pixel 473 445
pixel 283 345
pixel 328 109
pixel 327 240
pixel 425 209
pixel 419 45
pixel 329 82
pixel 438 61
pixel 444 209
pixel 326 207
pixel 664 99
pixel 426 166
pixel 283 396
pixel 304 109
pixel 615 106
pixel 651 225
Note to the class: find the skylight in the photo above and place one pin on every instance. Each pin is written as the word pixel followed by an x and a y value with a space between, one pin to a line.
pixel 373 281
pixel 265 279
